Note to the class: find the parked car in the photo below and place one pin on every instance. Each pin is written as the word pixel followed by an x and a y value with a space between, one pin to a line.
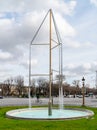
pixel 79 96
pixel 1 97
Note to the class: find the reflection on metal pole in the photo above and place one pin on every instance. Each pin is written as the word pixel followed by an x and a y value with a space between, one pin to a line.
pixel 83 91
pixel 29 76
pixel 50 69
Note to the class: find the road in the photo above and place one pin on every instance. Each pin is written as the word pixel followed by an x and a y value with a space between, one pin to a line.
pixel 44 101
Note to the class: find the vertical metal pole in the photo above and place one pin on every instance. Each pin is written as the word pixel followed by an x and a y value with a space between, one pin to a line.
pixel 59 77
pixel 50 70
pixel 83 91
pixel 61 62
pixel 29 76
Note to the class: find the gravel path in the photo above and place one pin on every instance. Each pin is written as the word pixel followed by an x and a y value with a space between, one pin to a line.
pixel 44 101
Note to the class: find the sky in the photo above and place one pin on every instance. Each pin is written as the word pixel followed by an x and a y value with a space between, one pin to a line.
pixel 77 24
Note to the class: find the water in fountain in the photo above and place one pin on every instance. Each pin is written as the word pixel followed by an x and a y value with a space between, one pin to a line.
pixel 42 113
pixel 61 105
pixel 29 99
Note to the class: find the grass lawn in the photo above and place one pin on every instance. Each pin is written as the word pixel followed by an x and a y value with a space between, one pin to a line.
pixel 13 124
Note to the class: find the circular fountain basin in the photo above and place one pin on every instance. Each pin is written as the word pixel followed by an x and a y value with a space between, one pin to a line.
pixel 42 114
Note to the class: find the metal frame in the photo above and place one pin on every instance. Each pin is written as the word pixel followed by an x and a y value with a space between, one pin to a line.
pixel 58 44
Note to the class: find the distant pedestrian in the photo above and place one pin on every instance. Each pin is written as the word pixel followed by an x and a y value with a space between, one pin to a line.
pixel 37 96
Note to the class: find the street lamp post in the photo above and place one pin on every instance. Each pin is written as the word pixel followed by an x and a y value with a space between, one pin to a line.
pixel 83 91
pixel 1 93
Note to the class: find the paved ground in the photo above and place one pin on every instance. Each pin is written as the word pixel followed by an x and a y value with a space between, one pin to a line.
pixel 43 101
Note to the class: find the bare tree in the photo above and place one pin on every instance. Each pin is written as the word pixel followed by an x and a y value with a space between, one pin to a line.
pixel 8 84
pixel 76 83
pixel 60 77
pixel 19 81
pixel 42 86
pixel 32 92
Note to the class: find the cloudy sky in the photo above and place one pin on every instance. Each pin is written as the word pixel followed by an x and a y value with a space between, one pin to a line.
pixel 77 23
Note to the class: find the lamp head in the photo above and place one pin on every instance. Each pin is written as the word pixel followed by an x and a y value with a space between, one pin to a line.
pixel 83 79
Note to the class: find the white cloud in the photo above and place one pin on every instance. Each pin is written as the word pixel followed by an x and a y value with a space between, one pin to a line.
pixel 71 42
pixel 11 5
pixel 5 55
pixel 94 2
pixel 87 66
pixel 5 23
pixel 34 62
pixel 26 6
pixel 80 69
pixel 65 29
pixel 61 6
pixel 2 15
